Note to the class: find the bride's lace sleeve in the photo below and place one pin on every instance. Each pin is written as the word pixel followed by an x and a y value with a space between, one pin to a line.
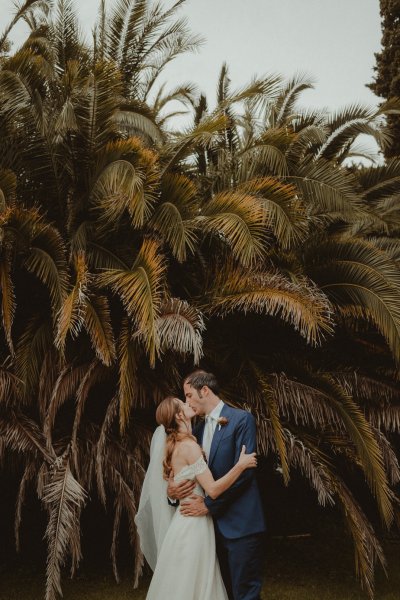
pixel 199 466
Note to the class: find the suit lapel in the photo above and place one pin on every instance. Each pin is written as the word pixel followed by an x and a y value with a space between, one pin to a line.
pixel 219 434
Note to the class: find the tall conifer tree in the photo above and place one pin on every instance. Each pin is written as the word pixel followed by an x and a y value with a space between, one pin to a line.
pixel 387 69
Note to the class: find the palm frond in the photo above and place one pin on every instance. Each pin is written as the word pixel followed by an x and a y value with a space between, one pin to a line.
pixel 284 211
pixel 326 189
pixel 173 218
pixel 367 548
pixel 71 315
pixel 27 477
pixel 120 188
pixel 128 353
pixel 64 389
pixel 64 497
pixel 355 272
pixel 238 219
pixel 7 297
pixel 300 304
pixel 201 136
pixel 285 103
pixel 33 344
pixel 180 327
pixel 140 290
pixel 97 320
pixel 24 436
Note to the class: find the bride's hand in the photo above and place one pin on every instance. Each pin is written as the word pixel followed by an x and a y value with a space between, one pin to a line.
pixel 247 461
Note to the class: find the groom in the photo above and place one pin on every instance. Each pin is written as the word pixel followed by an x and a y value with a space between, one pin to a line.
pixel 237 513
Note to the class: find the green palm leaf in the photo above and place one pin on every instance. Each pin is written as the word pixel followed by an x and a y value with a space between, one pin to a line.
pixel 284 212
pixel 173 218
pixel 120 188
pixel 355 272
pixel 238 219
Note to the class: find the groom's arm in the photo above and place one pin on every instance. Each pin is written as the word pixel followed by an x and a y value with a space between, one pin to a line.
pixel 178 491
pixel 245 435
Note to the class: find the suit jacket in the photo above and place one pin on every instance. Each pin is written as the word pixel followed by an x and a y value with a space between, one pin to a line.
pixel 237 512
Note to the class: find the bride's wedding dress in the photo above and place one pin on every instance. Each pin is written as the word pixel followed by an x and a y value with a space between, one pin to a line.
pixel 187 566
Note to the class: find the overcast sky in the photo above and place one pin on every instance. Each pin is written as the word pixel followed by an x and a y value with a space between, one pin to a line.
pixel 331 40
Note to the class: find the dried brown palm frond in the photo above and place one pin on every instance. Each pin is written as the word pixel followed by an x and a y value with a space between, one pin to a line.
pixel 304 457
pixel 65 388
pixel 8 185
pixel 35 341
pixel 359 431
pixel 367 549
pixel 301 304
pixel 64 497
pixel 7 296
pixel 95 374
pixel 303 403
pixel 110 416
pixel 22 435
pixel 28 476
pixel 387 418
pixel 369 388
pixel 180 327
pixel 47 378
pixel 10 385
pixel 390 459
pixel 124 499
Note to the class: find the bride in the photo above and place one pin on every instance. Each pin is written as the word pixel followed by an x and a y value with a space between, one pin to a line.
pixel 179 549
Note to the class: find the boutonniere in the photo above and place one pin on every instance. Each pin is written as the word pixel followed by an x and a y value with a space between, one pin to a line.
pixel 222 421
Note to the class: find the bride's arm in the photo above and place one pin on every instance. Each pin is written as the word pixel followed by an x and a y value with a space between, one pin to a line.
pixel 212 487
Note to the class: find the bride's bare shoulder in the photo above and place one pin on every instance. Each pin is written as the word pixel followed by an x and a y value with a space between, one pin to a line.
pixel 189 449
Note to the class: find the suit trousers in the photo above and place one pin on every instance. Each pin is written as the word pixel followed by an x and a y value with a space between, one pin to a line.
pixel 241 563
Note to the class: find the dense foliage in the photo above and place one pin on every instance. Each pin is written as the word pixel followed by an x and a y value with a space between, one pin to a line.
pixel 248 242
pixel 387 69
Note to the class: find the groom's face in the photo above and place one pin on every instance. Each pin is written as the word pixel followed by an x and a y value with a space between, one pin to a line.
pixel 194 398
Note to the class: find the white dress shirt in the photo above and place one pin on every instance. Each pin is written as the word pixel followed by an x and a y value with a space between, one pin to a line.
pixel 209 427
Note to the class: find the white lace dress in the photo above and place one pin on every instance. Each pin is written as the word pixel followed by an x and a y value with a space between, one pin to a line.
pixel 187 566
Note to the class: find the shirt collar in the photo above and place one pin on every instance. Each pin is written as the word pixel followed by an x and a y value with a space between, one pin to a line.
pixel 216 412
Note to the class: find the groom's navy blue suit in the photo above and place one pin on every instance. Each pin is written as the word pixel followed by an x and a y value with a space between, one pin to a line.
pixel 237 513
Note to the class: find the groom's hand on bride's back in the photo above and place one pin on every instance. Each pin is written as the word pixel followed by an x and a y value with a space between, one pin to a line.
pixel 194 507
pixel 178 491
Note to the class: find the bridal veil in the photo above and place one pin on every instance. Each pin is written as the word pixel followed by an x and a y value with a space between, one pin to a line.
pixel 154 514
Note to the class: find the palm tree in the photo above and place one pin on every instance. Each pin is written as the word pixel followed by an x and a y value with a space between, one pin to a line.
pixel 130 251
pixel 293 229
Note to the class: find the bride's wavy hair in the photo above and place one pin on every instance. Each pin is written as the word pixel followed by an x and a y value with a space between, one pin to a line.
pixel 166 414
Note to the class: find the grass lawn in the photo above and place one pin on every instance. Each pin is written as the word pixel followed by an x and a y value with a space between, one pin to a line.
pixel 295 569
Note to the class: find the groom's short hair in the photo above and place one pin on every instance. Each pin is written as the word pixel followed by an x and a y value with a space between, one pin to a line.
pixel 200 378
